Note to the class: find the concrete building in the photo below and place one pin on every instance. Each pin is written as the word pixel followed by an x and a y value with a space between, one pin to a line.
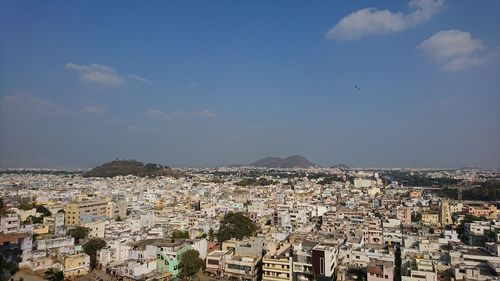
pixel 324 261
pixel 76 265
pixel 277 263
pixel 378 270
pixel 83 212
pixel 445 213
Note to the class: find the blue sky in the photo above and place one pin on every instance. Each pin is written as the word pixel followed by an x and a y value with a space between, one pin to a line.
pixel 218 82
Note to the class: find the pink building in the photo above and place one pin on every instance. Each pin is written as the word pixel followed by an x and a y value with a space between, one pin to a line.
pixel 378 270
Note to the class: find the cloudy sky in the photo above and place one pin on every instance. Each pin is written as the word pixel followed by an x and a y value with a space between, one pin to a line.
pixel 365 83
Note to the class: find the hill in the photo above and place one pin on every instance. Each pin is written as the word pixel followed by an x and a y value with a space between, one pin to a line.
pixel 130 167
pixel 295 161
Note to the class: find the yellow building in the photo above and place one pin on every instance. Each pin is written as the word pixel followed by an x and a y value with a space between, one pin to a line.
pixel 41 229
pixel 430 218
pixel 76 265
pixel 83 212
pixel 277 263
pixel 116 210
pixel 445 213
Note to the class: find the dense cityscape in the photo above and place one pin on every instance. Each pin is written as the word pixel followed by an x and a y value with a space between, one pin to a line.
pixel 249 140
pixel 250 223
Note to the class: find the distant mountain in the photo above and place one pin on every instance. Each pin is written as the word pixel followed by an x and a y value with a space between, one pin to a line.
pixel 341 167
pixel 295 161
pixel 130 167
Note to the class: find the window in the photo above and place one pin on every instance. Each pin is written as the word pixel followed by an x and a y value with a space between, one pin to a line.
pixel 321 266
pixel 213 262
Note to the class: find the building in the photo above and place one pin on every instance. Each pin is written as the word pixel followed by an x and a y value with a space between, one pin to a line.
pixel 404 215
pixel 324 261
pixel 9 223
pixel 245 268
pixel 378 270
pixel 277 263
pixel 214 262
pixel 116 210
pixel 83 212
pixel 302 261
pixel 419 270
pixel 445 213
pixel 76 265
pixel 430 218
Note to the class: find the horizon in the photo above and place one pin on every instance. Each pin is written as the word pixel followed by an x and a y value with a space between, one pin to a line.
pixel 208 84
pixel 248 165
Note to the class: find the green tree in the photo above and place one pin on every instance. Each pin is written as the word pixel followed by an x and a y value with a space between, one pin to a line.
pixel 43 210
pixel 33 220
pixel 190 264
pixel 91 248
pixel 211 234
pixel 180 234
pixel 235 225
pixel 53 275
pixel 79 233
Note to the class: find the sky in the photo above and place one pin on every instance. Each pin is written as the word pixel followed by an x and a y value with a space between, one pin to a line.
pixel 206 83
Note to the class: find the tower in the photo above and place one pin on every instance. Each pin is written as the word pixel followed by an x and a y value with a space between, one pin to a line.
pixel 444 213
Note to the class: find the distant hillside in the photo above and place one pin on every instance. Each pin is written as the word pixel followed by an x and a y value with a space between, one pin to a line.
pixel 295 161
pixel 130 167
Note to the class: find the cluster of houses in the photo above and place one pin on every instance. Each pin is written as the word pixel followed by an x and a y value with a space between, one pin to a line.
pixel 364 229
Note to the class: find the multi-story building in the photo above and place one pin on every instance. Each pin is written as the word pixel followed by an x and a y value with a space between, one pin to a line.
pixel 445 213
pixel 430 218
pixel 9 223
pixel 214 263
pixel 245 268
pixel 277 263
pixel 76 265
pixel 324 261
pixel 419 270
pixel 116 209
pixel 78 213
pixel 302 261
pixel 379 270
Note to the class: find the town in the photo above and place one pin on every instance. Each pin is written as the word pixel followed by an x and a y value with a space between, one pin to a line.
pixel 250 223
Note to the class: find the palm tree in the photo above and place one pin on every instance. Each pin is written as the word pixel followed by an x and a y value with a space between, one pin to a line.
pixel 53 275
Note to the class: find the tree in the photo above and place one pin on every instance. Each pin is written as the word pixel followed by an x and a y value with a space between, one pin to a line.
pixel 211 234
pixel 190 263
pixel 91 248
pixel 235 225
pixel 43 210
pixel 180 234
pixel 53 275
pixel 79 233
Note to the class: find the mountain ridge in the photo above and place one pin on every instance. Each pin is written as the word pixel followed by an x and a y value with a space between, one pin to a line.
pixel 129 167
pixel 294 161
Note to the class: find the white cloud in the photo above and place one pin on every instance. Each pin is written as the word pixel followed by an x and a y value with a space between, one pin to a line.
pixel 449 44
pixel 138 78
pixel 102 74
pixel 455 50
pixel 371 21
pixel 208 113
